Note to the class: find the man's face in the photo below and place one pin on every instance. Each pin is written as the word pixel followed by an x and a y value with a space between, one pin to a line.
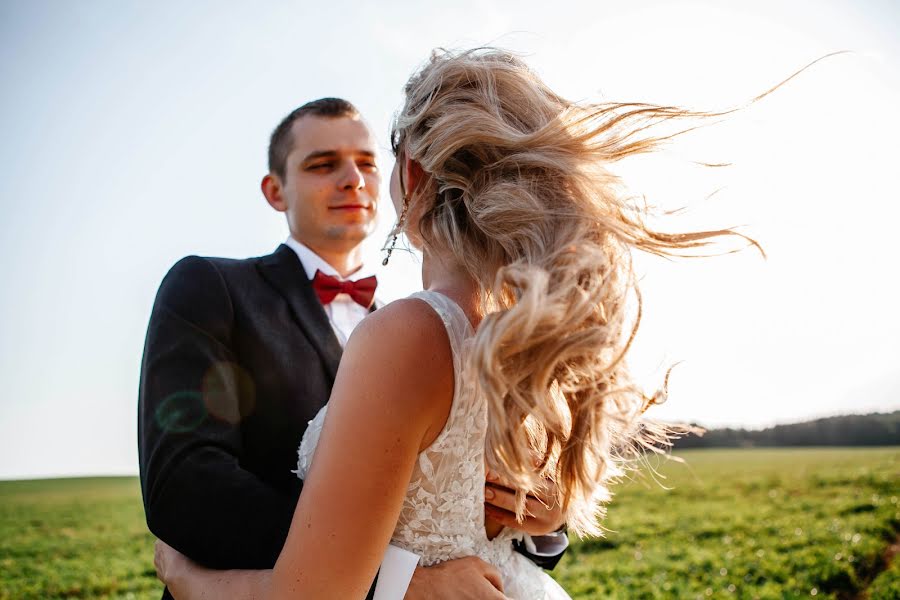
pixel 330 186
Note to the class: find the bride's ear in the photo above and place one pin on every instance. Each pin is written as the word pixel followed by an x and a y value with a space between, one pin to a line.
pixel 414 175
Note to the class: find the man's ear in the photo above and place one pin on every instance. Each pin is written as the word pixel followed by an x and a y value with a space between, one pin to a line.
pixel 271 189
pixel 415 176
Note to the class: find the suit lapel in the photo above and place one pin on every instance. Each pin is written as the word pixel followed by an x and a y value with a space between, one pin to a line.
pixel 282 269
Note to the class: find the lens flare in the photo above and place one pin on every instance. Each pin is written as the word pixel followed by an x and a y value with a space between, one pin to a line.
pixel 181 412
pixel 229 393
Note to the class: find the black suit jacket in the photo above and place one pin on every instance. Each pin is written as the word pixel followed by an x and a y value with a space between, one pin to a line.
pixel 239 357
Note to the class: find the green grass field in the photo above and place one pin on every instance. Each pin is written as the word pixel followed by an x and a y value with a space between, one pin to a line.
pixel 742 524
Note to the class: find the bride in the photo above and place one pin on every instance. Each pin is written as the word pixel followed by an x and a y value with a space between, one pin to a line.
pixel 511 357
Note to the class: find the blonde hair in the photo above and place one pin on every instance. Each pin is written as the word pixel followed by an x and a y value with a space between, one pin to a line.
pixel 517 191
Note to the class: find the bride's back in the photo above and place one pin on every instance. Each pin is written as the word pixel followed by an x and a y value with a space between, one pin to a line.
pixel 442 516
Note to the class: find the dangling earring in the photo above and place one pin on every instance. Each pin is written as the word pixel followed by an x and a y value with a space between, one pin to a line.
pixel 397 231
pixel 402 217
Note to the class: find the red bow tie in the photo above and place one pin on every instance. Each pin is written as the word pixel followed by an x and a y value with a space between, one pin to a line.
pixel 327 287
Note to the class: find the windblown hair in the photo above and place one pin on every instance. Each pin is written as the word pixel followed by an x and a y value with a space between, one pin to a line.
pixel 517 191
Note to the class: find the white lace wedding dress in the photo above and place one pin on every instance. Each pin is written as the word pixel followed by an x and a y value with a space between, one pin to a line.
pixel 443 514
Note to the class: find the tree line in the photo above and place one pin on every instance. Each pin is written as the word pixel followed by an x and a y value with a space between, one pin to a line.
pixel 876 429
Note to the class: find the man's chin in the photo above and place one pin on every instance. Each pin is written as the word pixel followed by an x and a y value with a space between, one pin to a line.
pixel 353 235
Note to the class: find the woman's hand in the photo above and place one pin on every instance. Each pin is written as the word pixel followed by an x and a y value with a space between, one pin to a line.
pixel 188 580
pixel 172 567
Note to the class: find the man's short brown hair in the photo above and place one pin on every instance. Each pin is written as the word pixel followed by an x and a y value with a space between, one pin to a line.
pixel 281 142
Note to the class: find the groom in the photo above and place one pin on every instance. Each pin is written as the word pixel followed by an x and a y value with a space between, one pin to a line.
pixel 241 354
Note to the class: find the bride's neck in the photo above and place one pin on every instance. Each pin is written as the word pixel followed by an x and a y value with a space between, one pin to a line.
pixel 442 274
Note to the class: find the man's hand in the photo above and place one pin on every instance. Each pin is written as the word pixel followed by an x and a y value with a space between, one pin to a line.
pixel 541 518
pixel 467 578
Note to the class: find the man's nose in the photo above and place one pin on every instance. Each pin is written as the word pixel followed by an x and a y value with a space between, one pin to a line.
pixel 351 178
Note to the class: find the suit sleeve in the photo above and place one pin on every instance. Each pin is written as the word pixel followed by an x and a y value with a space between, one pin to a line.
pixel 544 550
pixel 197 497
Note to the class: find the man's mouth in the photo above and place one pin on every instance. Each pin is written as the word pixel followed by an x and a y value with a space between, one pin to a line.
pixel 350 207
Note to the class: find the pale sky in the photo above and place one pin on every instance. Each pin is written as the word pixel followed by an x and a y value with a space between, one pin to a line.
pixel 135 134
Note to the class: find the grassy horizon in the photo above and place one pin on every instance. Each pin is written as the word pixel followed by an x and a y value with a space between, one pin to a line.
pixel 755 523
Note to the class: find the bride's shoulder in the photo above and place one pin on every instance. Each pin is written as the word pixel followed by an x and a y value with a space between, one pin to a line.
pixel 407 335
pixel 402 352
pixel 409 321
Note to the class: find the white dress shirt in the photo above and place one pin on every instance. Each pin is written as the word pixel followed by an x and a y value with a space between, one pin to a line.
pixel 343 313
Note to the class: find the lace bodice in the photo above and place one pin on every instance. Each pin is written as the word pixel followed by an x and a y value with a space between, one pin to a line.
pixel 443 513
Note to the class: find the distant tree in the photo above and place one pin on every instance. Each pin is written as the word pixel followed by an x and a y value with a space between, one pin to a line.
pixel 876 429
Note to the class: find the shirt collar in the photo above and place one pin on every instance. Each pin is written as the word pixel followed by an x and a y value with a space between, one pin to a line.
pixel 312 262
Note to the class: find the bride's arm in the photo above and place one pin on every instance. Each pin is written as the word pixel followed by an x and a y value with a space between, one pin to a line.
pixel 391 399
pixel 186 580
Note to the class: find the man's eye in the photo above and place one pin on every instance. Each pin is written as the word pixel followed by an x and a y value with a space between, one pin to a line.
pixel 368 165
pixel 319 166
